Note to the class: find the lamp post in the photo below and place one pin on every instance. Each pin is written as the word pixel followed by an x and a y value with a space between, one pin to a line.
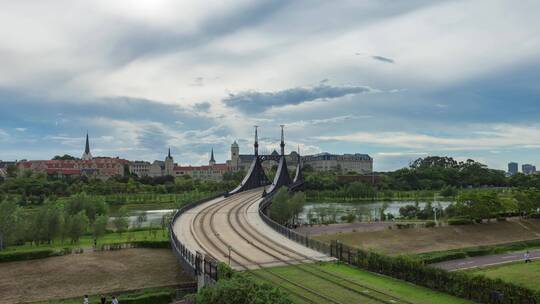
pixel 230 248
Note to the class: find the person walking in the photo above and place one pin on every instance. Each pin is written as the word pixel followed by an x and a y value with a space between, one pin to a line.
pixel 114 300
pixel 527 257
pixel 86 301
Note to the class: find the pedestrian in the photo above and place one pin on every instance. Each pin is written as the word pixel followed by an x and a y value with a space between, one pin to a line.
pixel 86 301
pixel 103 299
pixel 527 257
pixel 114 300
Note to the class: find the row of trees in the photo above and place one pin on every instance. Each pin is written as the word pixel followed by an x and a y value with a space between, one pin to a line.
pixel 480 204
pixel 54 221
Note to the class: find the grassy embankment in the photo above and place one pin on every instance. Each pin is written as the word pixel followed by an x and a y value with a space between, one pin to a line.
pixel 520 273
pixel 396 288
pixel 423 240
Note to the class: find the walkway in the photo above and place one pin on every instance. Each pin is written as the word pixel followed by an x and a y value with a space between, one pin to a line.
pixel 484 261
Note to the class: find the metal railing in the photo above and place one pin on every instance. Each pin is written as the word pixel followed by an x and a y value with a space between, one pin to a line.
pixel 192 262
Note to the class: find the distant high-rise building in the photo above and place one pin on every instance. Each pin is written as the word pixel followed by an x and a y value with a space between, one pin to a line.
pixel 512 168
pixel 528 169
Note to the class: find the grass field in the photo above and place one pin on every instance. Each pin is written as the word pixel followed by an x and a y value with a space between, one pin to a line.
pixel 418 240
pixel 391 287
pixel 526 275
pixel 88 241
pixel 90 273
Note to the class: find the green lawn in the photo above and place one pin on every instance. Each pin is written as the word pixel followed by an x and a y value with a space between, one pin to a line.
pixel 88 240
pixel 526 275
pixel 390 289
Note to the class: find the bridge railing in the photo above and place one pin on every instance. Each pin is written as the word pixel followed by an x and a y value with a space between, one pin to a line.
pixel 191 261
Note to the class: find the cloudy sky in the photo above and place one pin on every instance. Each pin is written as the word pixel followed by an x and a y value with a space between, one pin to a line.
pixel 395 79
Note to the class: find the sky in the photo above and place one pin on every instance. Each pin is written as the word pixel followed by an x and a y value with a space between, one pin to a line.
pixel 397 80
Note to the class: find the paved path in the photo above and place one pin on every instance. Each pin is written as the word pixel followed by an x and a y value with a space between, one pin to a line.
pixel 483 261
pixel 233 223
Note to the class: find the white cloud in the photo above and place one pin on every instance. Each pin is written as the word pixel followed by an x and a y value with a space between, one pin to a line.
pixel 495 136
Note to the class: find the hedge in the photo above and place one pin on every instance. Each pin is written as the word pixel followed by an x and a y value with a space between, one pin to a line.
pixel 162 297
pixel 28 255
pixel 151 244
pixel 459 221
pixel 474 287
pixel 441 256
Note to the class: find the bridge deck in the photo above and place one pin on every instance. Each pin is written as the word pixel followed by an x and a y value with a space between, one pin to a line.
pixel 233 222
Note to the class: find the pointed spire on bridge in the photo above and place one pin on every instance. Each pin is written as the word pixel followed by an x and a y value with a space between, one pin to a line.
pixel 256 145
pixel 282 140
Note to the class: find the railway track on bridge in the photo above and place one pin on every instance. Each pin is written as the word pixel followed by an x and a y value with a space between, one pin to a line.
pixel 239 205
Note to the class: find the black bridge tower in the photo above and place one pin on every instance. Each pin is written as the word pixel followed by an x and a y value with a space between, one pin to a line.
pixel 256 177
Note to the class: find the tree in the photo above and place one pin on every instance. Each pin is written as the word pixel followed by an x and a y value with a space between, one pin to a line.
pixel 408 211
pixel 10 218
pixel 280 211
pixel 121 221
pixel 77 226
pixel 141 218
pixel 99 228
pixel 64 157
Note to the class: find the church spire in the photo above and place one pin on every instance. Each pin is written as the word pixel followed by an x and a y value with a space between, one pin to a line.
pixel 212 160
pixel 169 155
pixel 87 148
pixel 87 155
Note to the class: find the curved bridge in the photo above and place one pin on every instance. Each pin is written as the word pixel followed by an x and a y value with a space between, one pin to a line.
pixel 232 228
pixel 229 229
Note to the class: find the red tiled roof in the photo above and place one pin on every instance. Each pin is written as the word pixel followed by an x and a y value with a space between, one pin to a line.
pixel 64 171
pixel 220 167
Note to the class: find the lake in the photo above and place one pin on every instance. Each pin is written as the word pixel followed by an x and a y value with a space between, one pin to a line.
pixel 153 217
pixel 364 211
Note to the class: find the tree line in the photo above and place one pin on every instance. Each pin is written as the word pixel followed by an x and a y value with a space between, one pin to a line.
pixel 442 174
pixel 35 188
pixel 54 221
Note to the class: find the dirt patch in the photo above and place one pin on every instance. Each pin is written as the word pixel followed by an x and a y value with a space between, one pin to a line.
pixel 92 273
pixel 417 240
pixel 343 228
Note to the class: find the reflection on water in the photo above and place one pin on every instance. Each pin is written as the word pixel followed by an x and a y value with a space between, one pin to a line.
pixel 153 217
pixel 363 211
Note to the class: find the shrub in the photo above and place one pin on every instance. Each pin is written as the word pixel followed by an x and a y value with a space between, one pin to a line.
pixel 404 226
pixel 151 244
pixel 429 224
pixel 459 221
pixel 241 290
pixel 27 255
pixel 162 297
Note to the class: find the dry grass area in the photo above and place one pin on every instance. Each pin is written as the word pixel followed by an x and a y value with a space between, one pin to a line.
pixel 418 240
pixel 92 273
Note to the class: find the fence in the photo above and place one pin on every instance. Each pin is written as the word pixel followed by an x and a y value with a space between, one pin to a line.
pixel 477 288
pixel 193 262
